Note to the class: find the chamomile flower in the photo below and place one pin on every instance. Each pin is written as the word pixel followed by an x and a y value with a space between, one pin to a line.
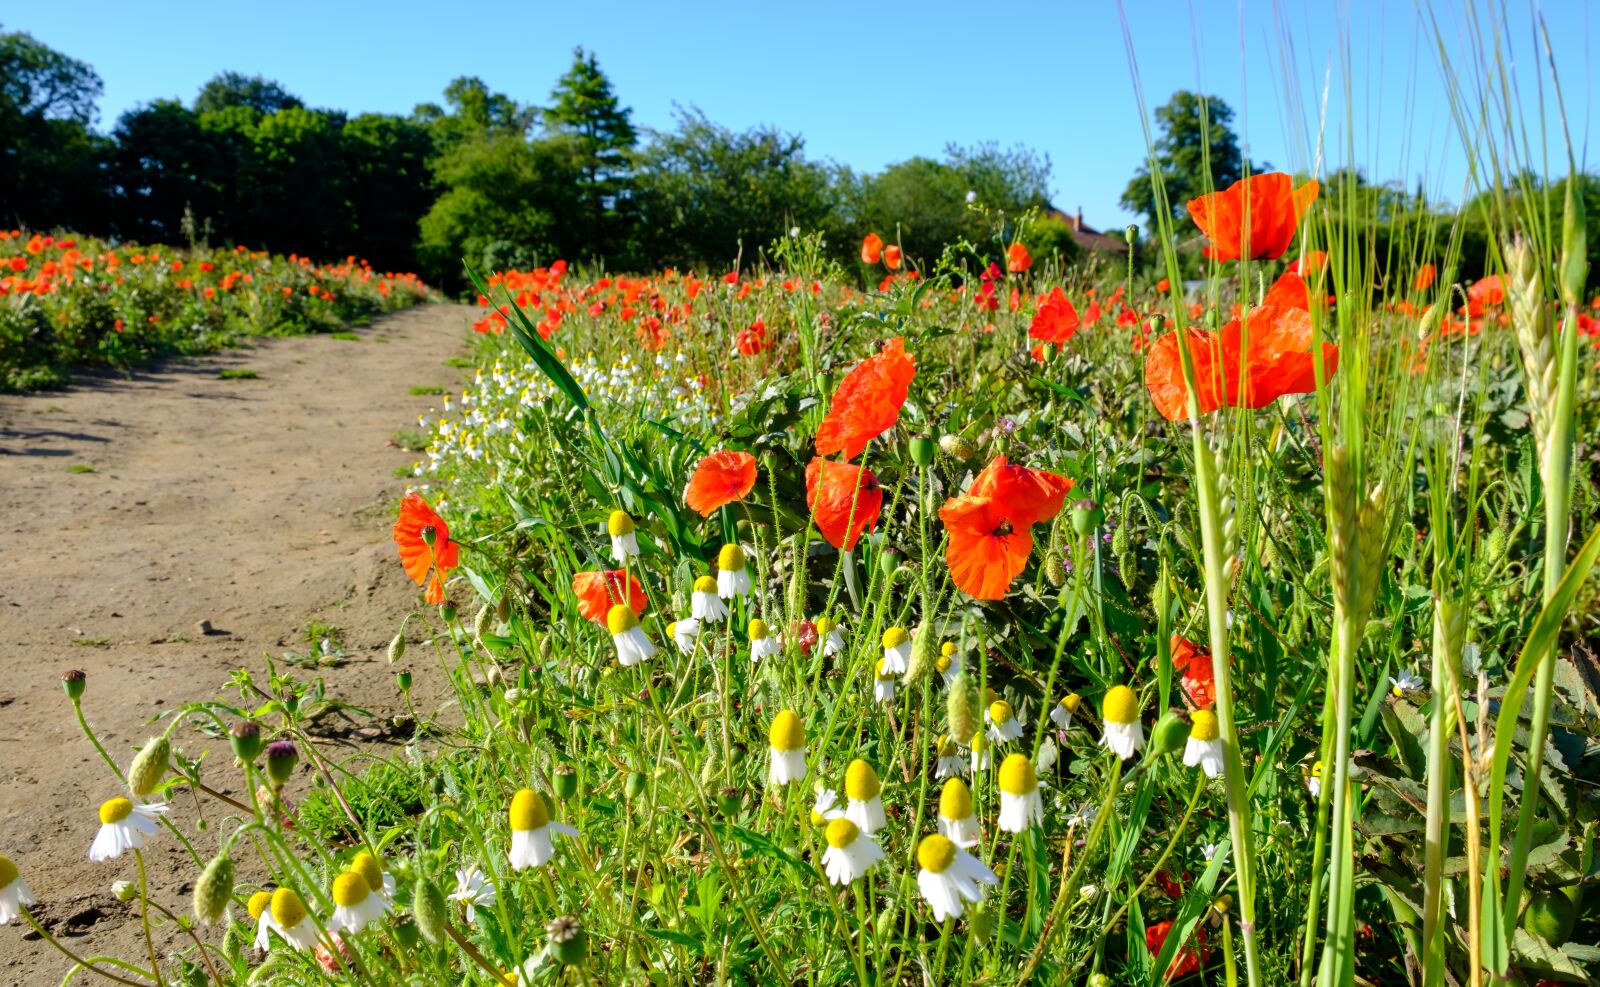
pixel 704 603
pixel 532 829
pixel 763 643
pixel 949 662
pixel 950 874
pixel 355 906
pixel 1124 734
pixel 632 645
pixel 1209 851
pixel 830 634
pixel 259 906
pixel 956 818
pixel 14 891
pixel 624 539
pixel 896 650
pixel 951 763
pixel 864 804
pixel 826 806
pixel 850 854
pixel 381 884
pixel 883 682
pixel 1314 780
pixel 124 825
pixel 1004 726
pixel 684 633
pixel 981 759
pixel 1408 684
pixel 732 578
pixel 1205 743
pixel 287 916
pixel 473 890
pixel 1082 815
pixel 1061 712
pixel 1020 804
pixel 787 737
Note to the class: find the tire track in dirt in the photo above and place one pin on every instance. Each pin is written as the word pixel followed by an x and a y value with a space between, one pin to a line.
pixel 256 505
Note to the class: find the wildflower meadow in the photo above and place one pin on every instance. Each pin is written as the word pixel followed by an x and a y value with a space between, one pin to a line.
pixel 1221 611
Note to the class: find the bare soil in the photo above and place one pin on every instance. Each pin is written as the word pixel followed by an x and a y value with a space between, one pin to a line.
pixel 133 508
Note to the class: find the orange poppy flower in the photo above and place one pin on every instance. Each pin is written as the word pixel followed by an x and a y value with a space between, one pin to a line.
pixel 868 401
pixel 1289 290
pixel 1031 495
pixel 598 592
pixel 1055 320
pixel 426 551
pixel 720 478
pixel 1425 276
pixel 891 257
pixel 841 512
pixel 1189 958
pixel 1274 208
pixel 871 249
pixel 1194 662
pixel 1279 362
pixel 988 545
pixel 1017 258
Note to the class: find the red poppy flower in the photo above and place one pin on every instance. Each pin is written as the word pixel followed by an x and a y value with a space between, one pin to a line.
pixel 1189 958
pixel 720 478
pixel 753 341
pixel 1425 276
pixel 1163 285
pixel 871 249
pixel 1194 662
pixel 1279 362
pixel 1313 263
pixel 989 545
pixel 1091 314
pixel 845 500
pixel 1055 320
pixel 598 592
pixel 891 257
pixel 1031 495
pixel 1289 290
pixel 1490 291
pixel 868 401
pixel 1274 208
pixel 425 563
pixel 1017 258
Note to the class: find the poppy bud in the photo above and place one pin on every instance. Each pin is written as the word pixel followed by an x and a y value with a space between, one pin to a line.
pixel 405 932
pixel 447 612
pixel 565 782
pixel 397 647
pixel 433 917
pixel 888 562
pixel 502 606
pixel 403 680
pixel 924 656
pixel 922 449
pixel 962 708
pixel 634 786
pixel 282 756
pixel 884 925
pixel 1086 516
pixel 245 739
pixel 144 774
pixel 124 891
pixel 232 940
pixel 480 623
pixel 730 802
pixel 1170 733
pixel 1131 234
pixel 568 943
pixel 214 889
pixel 1055 568
pixel 74 682
pixel 956 447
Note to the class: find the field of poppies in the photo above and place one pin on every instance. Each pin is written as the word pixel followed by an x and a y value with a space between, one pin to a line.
pixel 69 301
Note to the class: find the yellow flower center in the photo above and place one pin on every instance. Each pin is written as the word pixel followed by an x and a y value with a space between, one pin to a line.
pixel 980 743
pixel 1121 705
pixel 880 674
pixel 1316 770
pixel 948 649
pixel 1071 702
pixel 705 584
pixel 287 908
pixel 619 523
pixel 731 558
pixel 1017 776
pixel 1000 712
pixel 368 867
pixel 350 889
pixel 115 810
pixel 8 872
pixel 787 732
pixel 842 832
pixel 528 811
pixel 620 619
pixel 758 629
pixel 1203 725
pixel 826 624
pixel 955 802
pixel 947 746
pixel 936 853
pixel 861 782
pixel 672 629
pixel 894 637
pixel 258 904
pixel 942 663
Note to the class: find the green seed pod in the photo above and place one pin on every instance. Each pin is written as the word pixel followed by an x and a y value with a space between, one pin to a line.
pixel 730 802
pixel 962 709
pixel 1171 732
pixel 1086 516
pixel 403 680
pixel 1055 568
pixel 884 924
pixel 633 787
pixel 74 682
pixel 214 890
pixel 245 739
pixel 282 756
pixel 924 656
pixel 433 916
pixel 397 647
pixel 889 561
pixel 406 932
pixel 447 612
pixel 1131 234
pixel 922 450
pixel 148 767
pixel 569 945
pixel 564 782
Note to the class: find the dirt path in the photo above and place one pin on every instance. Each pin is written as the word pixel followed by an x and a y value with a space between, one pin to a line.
pixel 134 509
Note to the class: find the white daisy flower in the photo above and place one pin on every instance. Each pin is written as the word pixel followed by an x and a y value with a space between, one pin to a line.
pixel 684 633
pixel 124 825
pixel 950 876
pixel 632 644
pixel 1020 803
pixel 850 854
pixel 1408 684
pixel 956 818
pixel 981 759
pixel 949 662
pixel 473 890
pixel 14 891
pixel 1061 712
pixel 883 682
pixel 862 791
pixel 355 904
pixel 532 829
pixel 286 915
pixel 733 579
pixel 830 634
pixel 763 643
pixel 1314 780
pixel 826 807
pixel 1210 851
pixel 1004 727
pixel 1124 734
pixel 1205 743
pixel 896 650
pixel 787 738
pixel 704 603
pixel 624 538
pixel 1082 816
pixel 951 763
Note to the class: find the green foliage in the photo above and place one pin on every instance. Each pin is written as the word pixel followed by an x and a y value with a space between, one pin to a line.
pixel 601 137
pixel 1197 152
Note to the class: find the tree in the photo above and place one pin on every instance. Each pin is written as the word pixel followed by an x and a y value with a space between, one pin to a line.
pixel 163 164
pixel 49 159
pixel 601 136
pixel 473 112
pixel 388 185
pixel 1195 132
pixel 237 89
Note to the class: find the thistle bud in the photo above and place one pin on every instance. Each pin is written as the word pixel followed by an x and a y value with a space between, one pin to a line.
pixel 148 766
pixel 568 944
pixel 962 708
pixel 214 890
pixel 245 739
pixel 282 756
pixel 564 782
pixel 922 449
pixel 956 447
pixel 397 647
pixel 433 917
pixel 74 682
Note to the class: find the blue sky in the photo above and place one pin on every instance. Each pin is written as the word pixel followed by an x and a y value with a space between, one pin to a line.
pixel 870 84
